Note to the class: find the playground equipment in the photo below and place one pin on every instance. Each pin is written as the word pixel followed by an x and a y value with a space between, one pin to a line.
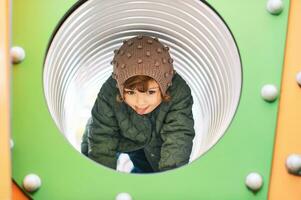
pixel 244 128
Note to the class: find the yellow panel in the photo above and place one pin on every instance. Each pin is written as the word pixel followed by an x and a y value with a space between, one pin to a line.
pixel 288 139
pixel 5 171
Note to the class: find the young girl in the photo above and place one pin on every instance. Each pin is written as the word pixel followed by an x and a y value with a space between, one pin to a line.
pixel 144 110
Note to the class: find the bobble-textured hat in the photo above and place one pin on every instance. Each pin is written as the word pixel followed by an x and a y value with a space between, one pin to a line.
pixel 143 55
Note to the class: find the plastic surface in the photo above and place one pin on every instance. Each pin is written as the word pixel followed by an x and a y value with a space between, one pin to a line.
pixel 219 174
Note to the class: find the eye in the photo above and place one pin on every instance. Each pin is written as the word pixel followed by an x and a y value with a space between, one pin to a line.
pixel 130 92
pixel 151 92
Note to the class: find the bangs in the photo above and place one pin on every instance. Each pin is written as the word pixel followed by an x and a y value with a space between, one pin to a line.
pixel 139 82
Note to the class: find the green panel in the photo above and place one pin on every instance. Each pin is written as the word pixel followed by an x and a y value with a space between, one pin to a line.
pixel 219 174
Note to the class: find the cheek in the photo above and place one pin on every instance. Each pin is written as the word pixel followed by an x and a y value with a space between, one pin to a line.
pixel 128 100
pixel 157 99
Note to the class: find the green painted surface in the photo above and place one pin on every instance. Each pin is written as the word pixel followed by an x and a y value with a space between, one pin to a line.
pixel 219 174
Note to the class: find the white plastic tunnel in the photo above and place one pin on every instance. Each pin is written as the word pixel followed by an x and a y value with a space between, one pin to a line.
pixel 204 52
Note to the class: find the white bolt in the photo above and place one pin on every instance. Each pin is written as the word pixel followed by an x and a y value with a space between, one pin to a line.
pixel 31 182
pixel 17 54
pixel 293 164
pixel 274 7
pixel 298 78
pixel 123 196
pixel 254 181
pixel 11 143
pixel 269 92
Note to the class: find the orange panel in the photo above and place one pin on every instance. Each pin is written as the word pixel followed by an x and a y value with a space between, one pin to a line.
pixel 5 165
pixel 18 193
pixel 288 137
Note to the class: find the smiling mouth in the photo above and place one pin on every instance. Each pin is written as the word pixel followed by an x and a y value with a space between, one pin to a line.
pixel 141 111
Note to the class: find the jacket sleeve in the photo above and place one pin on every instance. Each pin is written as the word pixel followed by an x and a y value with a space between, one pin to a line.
pixel 84 143
pixel 103 133
pixel 177 132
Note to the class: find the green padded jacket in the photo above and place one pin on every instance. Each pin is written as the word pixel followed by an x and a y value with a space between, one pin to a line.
pixel 166 134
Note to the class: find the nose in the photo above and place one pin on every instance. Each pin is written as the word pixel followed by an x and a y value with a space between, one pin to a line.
pixel 141 101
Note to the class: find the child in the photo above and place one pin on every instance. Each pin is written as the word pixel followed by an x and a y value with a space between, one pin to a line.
pixel 144 110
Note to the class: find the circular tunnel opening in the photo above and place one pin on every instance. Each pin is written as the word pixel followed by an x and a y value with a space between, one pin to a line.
pixel 204 51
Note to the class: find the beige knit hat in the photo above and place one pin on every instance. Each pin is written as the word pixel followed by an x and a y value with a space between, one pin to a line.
pixel 143 55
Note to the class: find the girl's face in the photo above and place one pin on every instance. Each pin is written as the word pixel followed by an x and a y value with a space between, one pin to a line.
pixel 144 102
